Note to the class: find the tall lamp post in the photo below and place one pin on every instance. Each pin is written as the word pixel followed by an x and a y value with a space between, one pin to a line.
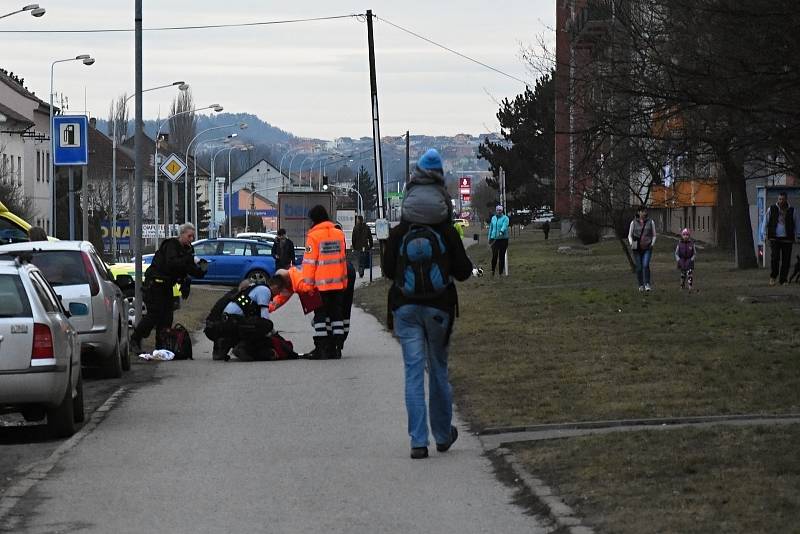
pixel 243 148
pixel 88 61
pixel 214 185
pixel 215 107
pixel 241 125
pixel 225 139
pixel 183 87
pixel 280 165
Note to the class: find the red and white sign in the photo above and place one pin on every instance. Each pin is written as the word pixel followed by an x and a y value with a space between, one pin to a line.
pixel 465 197
pixel 465 182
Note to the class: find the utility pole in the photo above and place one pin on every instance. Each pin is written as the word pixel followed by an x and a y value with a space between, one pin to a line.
pixel 408 155
pixel 376 130
pixel 138 167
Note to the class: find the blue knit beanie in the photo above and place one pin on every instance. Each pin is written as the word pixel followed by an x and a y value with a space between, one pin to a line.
pixel 431 161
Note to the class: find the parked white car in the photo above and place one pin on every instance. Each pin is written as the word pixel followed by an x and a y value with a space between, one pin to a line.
pixel 40 353
pixel 78 275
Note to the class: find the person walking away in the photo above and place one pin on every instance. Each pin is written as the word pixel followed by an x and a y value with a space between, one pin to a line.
pixel 498 239
pixel 283 251
pixel 173 262
pixel 546 229
pixel 423 262
pixel 325 270
pixel 362 244
pixel 685 254
pixel 642 239
pixel 783 227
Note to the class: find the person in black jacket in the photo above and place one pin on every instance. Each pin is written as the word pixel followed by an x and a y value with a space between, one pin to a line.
pixel 423 324
pixel 173 263
pixel 783 227
pixel 283 251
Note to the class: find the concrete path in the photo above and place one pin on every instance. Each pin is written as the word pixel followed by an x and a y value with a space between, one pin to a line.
pixel 294 446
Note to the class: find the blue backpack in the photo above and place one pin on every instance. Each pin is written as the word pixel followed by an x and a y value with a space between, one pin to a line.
pixel 424 266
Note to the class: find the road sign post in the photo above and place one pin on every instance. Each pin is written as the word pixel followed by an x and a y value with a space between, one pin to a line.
pixel 71 147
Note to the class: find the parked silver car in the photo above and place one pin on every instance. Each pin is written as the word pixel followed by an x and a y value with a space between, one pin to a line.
pixel 40 354
pixel 78 275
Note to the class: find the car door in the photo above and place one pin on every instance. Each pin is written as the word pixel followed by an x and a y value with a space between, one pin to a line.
pixel 207 250
pixel 16 324
pixel 232 260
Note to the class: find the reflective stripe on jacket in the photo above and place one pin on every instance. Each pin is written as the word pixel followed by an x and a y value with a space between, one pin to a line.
pixel 325 259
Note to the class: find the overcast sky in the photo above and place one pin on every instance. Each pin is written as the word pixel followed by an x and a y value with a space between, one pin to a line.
pixel 311 78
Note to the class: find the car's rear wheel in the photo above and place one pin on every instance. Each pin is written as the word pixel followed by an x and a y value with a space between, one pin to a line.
pixel 258 276
pixel 61 419
pixel 112 367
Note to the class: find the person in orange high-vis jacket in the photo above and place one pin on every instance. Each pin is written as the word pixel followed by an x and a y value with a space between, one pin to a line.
pixel 293 278
pixel 325 269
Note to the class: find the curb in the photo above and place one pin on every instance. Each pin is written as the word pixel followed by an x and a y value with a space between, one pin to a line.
pixel 39 471
pixel 559 512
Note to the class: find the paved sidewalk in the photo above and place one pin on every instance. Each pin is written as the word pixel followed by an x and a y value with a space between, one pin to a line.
pixel 294 446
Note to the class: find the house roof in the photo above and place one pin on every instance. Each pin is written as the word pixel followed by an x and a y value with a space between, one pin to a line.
pixel 12 115
pixel 259 162
pixel 17 86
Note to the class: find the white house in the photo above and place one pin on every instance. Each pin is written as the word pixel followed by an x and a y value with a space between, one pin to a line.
pixel 25 143
pixel 264 178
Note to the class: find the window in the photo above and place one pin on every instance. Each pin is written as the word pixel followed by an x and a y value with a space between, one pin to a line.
pixel 208 248
pixel 100 267
pixel 11 171
pixel 59 267
pixel 262 249
pixel 19 170
pixel 38 166
pixel 47 171
pixel 235 248
pixel 11 233
pixel 13 298
pixel 50 306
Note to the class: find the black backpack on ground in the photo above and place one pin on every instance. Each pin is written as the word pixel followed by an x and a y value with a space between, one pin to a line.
pixel 423 264
pixel 177 341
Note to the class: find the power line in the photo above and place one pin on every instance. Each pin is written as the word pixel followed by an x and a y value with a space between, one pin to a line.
pixel 179 28
pixel 390 23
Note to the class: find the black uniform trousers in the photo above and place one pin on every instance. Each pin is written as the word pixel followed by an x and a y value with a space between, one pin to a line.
pixel 329 322
pixel 781 259
pixel 158 299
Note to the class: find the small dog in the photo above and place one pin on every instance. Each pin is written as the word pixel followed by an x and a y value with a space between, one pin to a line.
pixel 796 273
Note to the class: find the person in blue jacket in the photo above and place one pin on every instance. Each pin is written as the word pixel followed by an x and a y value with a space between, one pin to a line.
pixel 498 239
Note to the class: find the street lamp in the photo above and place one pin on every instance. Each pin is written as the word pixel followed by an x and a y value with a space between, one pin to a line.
pixel 243 148
pixel 242 126
pixel 35 10
pixel 348 188
pixel 87 60
pixel 280 165
pixel 227 138
pixel 214 185
pixel 183 86
pixel 217 108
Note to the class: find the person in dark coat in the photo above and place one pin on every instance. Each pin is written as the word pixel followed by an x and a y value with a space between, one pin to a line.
pixel 362 244
pixel 546 229
pixel 173 263
pixel 283 251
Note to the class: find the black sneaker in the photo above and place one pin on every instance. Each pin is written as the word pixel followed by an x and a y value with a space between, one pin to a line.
pixel 418 453
pixel 444 447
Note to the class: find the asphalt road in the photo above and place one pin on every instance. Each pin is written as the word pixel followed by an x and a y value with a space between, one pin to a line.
pixel 293 446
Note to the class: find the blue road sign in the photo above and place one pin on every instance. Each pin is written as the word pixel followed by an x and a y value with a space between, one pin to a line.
pixel 70 140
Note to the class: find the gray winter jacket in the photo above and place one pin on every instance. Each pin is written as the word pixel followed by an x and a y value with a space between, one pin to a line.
pixel 426 200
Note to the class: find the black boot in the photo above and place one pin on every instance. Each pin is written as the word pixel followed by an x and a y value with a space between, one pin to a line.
pixel 318 353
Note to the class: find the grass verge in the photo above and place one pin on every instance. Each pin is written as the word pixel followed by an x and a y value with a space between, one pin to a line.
pixel 720 479
pixel 569 338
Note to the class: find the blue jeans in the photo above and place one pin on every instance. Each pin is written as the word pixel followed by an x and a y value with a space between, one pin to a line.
pixel 642 259
pixel 423 334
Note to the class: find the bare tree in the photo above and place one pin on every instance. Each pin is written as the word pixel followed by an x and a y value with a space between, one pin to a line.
pixel 118 113
pixel 182 125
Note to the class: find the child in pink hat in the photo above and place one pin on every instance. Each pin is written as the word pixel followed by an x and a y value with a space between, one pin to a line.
pixel 685 254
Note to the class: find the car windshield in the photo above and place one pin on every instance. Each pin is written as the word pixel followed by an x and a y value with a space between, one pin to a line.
pixel 13 299
pixel 11 233
pixel 60 267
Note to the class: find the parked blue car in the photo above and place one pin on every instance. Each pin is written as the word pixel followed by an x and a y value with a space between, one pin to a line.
pixel 232 260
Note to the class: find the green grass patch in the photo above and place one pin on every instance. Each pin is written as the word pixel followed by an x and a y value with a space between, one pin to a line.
pixel 569 338
pixel 719 479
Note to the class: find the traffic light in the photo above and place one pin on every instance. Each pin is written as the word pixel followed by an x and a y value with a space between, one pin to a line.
pixel 324 183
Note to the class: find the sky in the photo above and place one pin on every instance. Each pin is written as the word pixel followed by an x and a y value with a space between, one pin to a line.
pixel 310 78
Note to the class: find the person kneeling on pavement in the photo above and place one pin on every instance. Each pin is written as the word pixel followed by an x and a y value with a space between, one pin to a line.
pixel 240 321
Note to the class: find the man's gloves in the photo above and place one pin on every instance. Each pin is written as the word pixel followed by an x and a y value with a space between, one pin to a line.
pixel 186 287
